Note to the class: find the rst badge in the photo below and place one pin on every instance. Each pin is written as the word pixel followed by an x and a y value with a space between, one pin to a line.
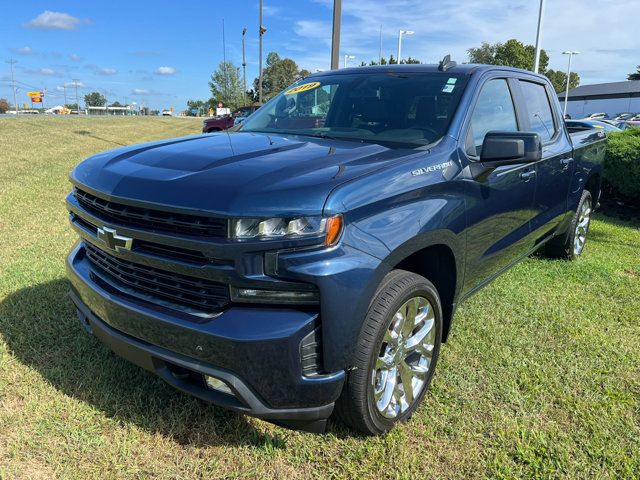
pixel 114 241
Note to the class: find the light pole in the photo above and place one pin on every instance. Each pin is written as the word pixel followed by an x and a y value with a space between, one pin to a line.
pixel 244 68
pixel 400 34
pixel 566 93
pixel 347 58
pixel 536 63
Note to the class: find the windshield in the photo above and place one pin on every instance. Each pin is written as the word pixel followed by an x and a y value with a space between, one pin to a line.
pixel 398 109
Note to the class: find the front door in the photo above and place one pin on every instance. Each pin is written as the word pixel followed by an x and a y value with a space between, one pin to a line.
pixel 499 207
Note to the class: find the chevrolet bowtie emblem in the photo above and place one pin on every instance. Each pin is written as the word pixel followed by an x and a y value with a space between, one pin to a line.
pixel 114 241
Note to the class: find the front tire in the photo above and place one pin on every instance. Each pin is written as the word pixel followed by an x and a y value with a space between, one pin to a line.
pixel 571 245
pixel 395 356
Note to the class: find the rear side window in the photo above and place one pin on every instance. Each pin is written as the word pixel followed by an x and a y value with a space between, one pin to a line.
pixel 538 109
pixel 493 112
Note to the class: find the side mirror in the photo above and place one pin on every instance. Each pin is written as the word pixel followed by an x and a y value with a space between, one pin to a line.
pixel 506 148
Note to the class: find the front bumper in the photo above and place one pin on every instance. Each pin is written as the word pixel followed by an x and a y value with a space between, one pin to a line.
pixel 256 351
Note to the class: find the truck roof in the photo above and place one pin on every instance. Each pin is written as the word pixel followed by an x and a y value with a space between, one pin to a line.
pixel 465 68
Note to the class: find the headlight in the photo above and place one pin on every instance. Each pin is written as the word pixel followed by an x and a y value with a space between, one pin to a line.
pixel 330 227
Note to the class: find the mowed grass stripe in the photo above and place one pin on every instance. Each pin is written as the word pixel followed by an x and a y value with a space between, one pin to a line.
pixel 540 378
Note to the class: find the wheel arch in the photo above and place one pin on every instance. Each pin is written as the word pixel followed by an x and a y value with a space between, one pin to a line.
pixel 437 259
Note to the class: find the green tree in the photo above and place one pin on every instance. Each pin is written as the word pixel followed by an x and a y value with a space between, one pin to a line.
pixel 278 74
pixel 199 105
pixel 390 61
pixel 635 75
pixel 95 99
pixel 485 53
pixel 117 104
pixel 71 106
pixel 226 85
pixel 512 53
pixel 558 79
pixel 4 105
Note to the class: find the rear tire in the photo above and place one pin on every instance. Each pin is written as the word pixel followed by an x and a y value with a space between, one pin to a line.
pixel 571 245
pixel 394 359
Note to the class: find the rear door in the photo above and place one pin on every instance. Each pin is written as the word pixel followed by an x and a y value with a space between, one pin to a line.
pixel 555 169
pixel 499 207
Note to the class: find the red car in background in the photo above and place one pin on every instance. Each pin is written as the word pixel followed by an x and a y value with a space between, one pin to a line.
pixel 224 122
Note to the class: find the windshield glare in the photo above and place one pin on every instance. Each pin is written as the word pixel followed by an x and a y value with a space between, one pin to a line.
pixel 409 110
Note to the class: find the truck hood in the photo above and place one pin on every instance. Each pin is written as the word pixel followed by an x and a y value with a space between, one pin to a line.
pixel 235 174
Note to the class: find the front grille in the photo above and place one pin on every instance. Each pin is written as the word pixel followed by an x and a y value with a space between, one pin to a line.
pixel 142 246
pixel 151 219
pixel 159 286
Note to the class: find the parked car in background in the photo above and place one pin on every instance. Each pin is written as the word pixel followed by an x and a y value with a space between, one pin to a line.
pixel 583 125
pixel 167 113
pixel 624 116
pixel 595 116
pixel 225 122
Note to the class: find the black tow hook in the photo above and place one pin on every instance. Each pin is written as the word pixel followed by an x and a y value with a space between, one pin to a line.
pixel 84 321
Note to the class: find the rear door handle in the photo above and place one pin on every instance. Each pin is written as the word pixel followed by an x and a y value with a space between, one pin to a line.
pixel 526 176
pixel 565 162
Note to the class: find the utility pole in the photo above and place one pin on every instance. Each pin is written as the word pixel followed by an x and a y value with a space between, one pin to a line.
pixel 262 32
pixel 13 82
pixel 335 37
pixel 244 68
pixel 536 63
pixel 75 82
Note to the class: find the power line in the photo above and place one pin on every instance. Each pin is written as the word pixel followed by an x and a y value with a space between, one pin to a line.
pixel 13 81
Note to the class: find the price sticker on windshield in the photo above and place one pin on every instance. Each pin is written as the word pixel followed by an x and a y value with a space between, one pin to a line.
pixel 302 88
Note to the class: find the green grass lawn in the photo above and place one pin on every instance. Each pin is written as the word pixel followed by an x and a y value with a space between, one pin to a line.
pixel 540 378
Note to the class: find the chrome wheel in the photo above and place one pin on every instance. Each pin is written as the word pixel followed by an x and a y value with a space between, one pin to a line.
pixel 402 367
pixel 582 227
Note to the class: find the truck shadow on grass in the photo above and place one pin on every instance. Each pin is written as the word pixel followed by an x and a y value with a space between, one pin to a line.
pixel 40 327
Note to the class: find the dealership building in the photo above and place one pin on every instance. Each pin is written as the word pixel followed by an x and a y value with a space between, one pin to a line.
pixel 610 98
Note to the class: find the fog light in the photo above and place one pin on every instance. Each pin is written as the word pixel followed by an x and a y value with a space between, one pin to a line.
pixel 216 384
pixel 274 296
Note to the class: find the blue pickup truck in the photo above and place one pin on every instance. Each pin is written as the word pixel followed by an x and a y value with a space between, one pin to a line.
pixel 311 262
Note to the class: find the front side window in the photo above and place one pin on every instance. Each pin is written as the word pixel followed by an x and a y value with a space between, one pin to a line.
pixel 494 111
pixel 538 109
pixel 401 110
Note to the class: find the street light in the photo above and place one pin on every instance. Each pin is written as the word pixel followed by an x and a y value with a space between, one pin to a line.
pixel 400 33
pixel 347 58
pixel 566 93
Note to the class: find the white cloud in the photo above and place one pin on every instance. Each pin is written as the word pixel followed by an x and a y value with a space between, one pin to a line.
pixel 270 11
pixel 165 71
pixel 71 84
pixel 106 71
pixel 47 71
pixel 140 91
pixel 455 26
pixel 75 58
pixel 48 20
pixel 23 50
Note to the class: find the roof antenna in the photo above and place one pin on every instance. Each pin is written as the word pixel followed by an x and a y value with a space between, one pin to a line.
pixel 446 63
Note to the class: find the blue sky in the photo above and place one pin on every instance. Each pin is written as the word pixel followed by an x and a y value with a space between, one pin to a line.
pixel 162 53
